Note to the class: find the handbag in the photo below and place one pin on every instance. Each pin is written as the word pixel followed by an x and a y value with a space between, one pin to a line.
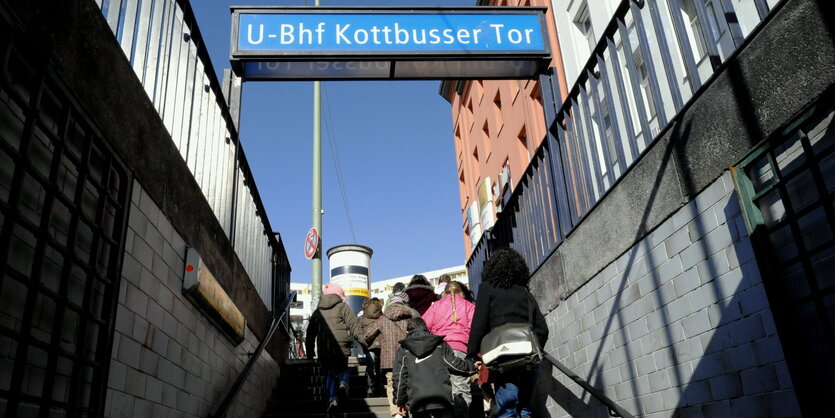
pixel 512 345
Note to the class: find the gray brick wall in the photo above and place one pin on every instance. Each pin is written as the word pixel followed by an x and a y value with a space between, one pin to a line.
pixel 168 359
pixel 678 325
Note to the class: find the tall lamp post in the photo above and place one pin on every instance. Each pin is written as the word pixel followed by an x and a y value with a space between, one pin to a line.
pixel 316 265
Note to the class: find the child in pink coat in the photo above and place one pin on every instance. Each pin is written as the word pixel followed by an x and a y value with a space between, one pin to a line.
pixel 452 317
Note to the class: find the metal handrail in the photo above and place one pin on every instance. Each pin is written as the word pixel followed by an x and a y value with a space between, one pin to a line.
pixel 223 408
pixel 293 337
pixel 614 409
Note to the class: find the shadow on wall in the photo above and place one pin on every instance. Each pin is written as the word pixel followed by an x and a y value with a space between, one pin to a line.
pixel 700 339
pixel 741 369
pixel 685 336
pixel 707 344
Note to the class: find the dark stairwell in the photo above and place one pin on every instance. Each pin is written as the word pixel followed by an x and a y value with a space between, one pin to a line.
pixel 300 393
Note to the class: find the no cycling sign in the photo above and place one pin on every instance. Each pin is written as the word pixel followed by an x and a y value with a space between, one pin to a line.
pixel 311 243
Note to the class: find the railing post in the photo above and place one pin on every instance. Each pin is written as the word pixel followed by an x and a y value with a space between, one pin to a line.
pixel 549 84
pixel 664 47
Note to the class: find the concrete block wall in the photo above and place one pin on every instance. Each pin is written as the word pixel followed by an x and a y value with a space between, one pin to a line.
pixel 677 325
pixel 168 359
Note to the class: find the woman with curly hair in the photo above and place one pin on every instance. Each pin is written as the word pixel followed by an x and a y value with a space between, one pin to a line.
pixel 503 297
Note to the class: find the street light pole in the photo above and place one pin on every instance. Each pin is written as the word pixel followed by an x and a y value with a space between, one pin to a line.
pixel 316 265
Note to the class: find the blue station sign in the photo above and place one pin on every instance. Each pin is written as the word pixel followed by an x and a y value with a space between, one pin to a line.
pixel 295 43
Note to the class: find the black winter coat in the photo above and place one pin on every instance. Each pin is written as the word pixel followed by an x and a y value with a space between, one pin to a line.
pixel 421 372
pixel 497 306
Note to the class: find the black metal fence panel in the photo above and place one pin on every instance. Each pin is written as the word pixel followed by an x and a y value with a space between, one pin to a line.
pixel 648 63
pixel 64 199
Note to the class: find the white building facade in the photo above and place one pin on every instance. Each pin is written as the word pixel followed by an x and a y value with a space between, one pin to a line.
pixel 300 310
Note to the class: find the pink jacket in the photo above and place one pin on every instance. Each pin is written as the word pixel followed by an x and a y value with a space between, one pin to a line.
pixel 439 321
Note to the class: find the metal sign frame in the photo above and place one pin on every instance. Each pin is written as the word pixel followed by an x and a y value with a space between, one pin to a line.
pixel 533 62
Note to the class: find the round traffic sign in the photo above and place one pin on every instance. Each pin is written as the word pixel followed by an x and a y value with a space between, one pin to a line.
pixel 311 243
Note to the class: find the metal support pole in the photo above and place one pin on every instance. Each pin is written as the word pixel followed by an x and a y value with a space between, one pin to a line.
pixel 316 265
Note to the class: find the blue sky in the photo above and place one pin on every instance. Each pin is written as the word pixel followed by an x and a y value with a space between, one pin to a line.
pixel 394 141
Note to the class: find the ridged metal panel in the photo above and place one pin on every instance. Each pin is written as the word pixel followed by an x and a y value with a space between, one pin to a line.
pixel 156 37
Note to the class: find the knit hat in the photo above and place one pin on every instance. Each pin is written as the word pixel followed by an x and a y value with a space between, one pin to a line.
pixel 333 289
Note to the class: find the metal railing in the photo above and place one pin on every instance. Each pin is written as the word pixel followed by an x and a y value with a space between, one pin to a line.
pixel 644 70
pixel 224 405
pixel 615 410
pixel 162 42
pixel 296 342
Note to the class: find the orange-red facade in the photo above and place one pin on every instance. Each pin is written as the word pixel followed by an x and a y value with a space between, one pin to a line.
pixel 497 125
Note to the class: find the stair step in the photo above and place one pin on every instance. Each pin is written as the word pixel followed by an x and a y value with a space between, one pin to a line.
pixel 315 381
pixel 374 405
pixel 314 392
pixel 300 393
pixel 385 414
pixel 352 402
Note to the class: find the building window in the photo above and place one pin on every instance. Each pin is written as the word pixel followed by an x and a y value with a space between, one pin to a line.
pixel 497 106
pixel 523 142
pixel 486 138
pixel 473 224
pixel 498 122
pixel 470 114
pixel 714 25
pixel 642 72
pixel 485 204
pixel 694 28
pixel 583 23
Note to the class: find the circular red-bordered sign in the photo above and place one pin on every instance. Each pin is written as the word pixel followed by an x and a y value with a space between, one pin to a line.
pixel 311 243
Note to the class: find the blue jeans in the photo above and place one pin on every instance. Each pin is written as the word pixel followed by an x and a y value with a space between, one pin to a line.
pixel 334 377
pixel 514 391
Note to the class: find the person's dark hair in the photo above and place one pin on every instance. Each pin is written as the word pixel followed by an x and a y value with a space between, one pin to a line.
pixel 398 288
pixel 419 279
pixel 468 294
pixel 505 268
pixel 415 323
pixel 445 278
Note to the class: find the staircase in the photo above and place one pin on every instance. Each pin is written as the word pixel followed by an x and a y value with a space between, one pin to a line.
pixel 300 393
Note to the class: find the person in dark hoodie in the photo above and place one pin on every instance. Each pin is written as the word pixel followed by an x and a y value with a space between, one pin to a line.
pixel 388 330
pixel 371 310
pixel 328 330
pixel 421 293
pixel 422 368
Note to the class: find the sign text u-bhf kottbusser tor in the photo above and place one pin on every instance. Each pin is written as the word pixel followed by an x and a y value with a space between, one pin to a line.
pixel 394 32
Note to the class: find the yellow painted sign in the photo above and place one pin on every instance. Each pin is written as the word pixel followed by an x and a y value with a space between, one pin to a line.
pixel 203 289
pixel 357 292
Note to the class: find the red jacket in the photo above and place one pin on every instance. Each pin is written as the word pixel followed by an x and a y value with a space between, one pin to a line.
pixel 421 297
pixel 439 321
